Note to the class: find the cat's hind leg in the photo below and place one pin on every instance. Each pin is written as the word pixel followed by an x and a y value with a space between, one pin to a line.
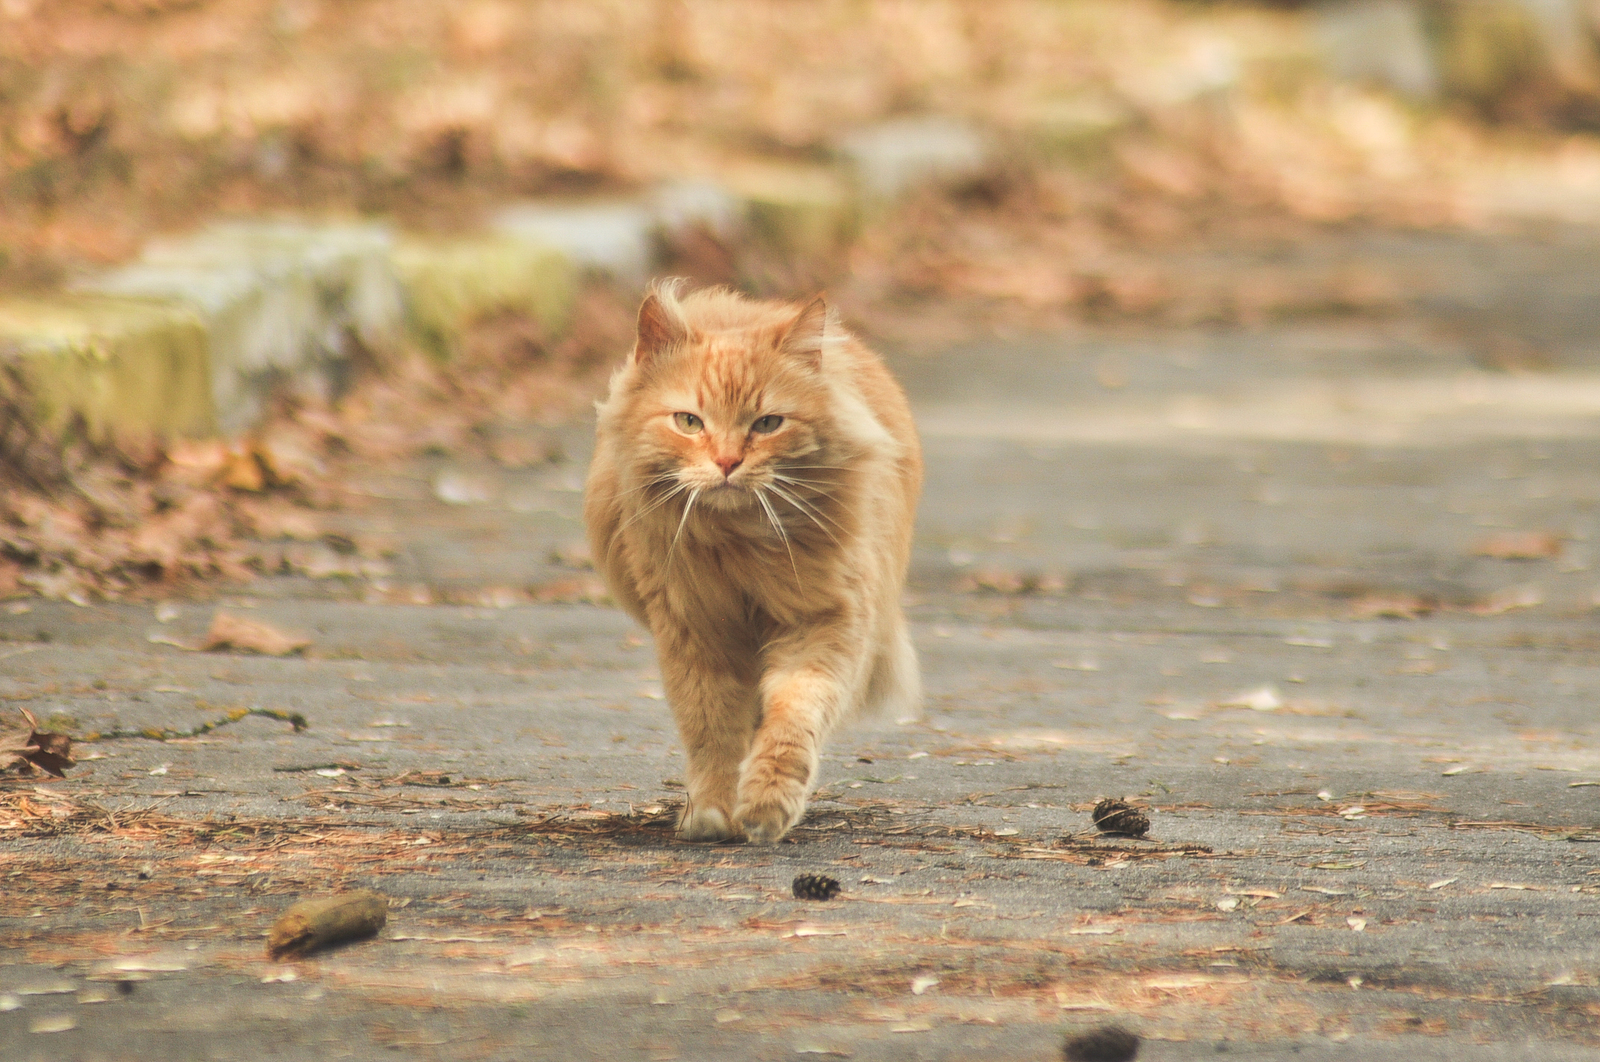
pixel 895 687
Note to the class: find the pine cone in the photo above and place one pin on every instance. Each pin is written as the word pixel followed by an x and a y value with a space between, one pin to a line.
pixel 1109 1043
pixel 815 887
pixel 1120 817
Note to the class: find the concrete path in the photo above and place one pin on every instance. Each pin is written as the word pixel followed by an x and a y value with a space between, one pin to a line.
pixel 1318 594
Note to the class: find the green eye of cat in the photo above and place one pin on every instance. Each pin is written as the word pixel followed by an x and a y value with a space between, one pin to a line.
pixel 688 423
pixel 768 423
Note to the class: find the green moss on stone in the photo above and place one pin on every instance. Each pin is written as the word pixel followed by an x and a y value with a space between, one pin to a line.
pixel 451 283
pixel 122 365
pixel 809 210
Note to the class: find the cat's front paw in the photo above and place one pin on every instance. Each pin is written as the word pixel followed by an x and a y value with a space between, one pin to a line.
pixel 705 825
pixel 766 821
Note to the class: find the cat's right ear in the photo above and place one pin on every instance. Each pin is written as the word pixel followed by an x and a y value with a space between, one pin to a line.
pixel 659 330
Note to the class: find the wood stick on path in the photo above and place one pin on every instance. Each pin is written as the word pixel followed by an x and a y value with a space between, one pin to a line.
pixel 313 924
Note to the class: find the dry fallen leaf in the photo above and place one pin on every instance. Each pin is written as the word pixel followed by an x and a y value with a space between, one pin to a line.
pixel 1519 545
pixel 1507 600
pixel 1390 606
pixel 233 632
pixel 38 750
pixel 289 457
pixel 1263 699
pixel 1007 581
pixel 243 471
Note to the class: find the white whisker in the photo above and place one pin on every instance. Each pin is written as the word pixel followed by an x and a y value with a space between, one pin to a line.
pixel 819 510
pixel 778 527
pixel 807 484
pixel 807 512
pixel 665 477
pixel 658 503
pixel 687 506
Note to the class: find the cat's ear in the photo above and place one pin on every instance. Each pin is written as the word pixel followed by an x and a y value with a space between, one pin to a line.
pixel 659 330
pixel 805 336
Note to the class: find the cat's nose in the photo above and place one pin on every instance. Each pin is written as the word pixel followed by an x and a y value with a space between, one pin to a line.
pixel 728 464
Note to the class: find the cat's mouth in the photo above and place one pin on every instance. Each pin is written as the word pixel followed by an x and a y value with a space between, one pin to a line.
pixel 727 494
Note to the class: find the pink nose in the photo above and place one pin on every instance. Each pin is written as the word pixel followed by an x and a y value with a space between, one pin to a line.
pixel 728 464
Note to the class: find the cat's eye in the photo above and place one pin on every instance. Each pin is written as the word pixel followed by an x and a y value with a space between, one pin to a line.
pixel 766 424
pixel 688 423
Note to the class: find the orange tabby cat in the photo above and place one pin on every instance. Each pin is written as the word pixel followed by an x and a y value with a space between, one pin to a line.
pixel 751 501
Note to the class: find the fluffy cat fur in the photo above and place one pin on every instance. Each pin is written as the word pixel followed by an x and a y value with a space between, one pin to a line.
pixel 751 501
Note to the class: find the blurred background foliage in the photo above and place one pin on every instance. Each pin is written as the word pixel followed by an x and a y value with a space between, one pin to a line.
pixel 119 118
pixel 1170 161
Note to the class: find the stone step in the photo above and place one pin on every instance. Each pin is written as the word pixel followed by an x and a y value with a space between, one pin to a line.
pixel 124 366
pixel 1477 50
pixel 889 159
pixel 200 332
pixel 280 302
pixel 450 283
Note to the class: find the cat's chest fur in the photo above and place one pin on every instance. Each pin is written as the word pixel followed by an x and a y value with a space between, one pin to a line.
pixel 734 564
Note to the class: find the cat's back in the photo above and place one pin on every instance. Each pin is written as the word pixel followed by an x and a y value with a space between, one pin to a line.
pixel 880 391
pixel 851 361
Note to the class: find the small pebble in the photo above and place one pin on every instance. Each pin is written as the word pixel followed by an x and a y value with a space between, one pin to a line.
pixel 1109 1043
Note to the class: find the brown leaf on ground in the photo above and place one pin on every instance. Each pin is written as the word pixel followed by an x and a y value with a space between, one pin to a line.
pixel 1519 545
pixel 234 632
pixel 289 456
pixel 1508 600
pixel 196 461
pixel 582 589
pixel 40 750
pixel 1390 606
pixel 243 471
pixel 1008 581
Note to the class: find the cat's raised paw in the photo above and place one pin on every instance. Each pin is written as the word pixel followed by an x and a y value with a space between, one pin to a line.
pixel 764 823
pixel 705 825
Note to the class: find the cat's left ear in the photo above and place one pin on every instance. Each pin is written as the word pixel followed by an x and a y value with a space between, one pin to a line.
pixel 805 336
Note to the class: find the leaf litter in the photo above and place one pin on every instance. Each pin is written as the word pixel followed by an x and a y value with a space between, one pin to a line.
pixel 1039 237
pixel 82 519
pixel 36 752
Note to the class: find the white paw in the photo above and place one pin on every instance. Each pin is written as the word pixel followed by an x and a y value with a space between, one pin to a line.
pixel 705 825
pixel 765 824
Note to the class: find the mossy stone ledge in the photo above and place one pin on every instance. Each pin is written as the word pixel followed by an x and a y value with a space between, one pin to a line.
pixel 451 283
pixel 118 366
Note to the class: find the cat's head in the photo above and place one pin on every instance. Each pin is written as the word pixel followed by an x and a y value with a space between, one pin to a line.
pixel 726 395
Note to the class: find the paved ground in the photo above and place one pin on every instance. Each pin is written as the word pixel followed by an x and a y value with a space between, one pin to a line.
pixel 1232 574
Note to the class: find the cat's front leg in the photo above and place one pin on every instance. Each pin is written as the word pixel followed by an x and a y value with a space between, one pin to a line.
pixel 799 708
pixel 714 702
